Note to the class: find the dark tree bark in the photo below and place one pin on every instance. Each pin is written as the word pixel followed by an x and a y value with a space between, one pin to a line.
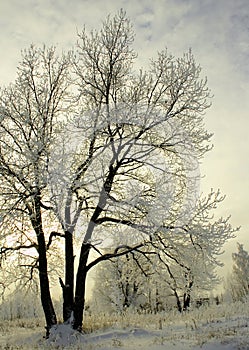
pixel 79 301
pixel 186 301
pixel 126 292
pixel 68 286
pixel 178 301
pixel 187 297
pixel 158 307
pixel 46 299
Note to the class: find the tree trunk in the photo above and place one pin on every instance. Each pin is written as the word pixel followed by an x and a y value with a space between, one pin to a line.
pixel 79 301
pixel 178 301
pixel 126 292
pixel 68 287
pixel 186 301
pixel 187 297
pixel 158 303
pixel 46 299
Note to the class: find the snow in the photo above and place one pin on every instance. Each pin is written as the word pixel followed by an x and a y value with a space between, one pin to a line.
pixel 208 328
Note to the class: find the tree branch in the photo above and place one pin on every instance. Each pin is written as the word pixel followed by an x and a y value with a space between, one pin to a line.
pixel 53 234
pixel 116 254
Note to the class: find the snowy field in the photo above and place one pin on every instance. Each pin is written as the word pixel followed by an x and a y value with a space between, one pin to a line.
pixel 223 327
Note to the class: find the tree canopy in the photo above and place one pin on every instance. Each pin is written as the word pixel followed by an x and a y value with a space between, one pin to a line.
pixel 92 149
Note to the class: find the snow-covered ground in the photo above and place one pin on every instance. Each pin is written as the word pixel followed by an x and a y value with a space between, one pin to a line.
pixel 220 327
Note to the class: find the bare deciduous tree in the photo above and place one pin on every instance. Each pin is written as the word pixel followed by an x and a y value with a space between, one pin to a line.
pixel 31 109
pixel 180 260
pixel 90 147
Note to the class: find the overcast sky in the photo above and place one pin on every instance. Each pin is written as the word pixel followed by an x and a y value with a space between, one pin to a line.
pixel 218 33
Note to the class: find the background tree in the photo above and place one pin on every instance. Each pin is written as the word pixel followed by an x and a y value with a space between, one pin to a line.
pixel 182 266
pixel 190 252
pixel 118 285
pixel 118 155
pixel 132 283
pixel 238 281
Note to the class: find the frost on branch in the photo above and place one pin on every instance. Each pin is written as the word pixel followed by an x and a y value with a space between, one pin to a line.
pixel 92 149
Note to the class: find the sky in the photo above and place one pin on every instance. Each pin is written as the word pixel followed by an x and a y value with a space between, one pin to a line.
pixel 217 31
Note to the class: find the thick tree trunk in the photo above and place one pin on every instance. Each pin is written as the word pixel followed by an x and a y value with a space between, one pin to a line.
pixel 79 300
pixel 68 287
pixel 46 299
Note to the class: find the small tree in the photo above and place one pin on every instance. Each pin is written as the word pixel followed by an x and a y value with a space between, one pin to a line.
pixel 238 281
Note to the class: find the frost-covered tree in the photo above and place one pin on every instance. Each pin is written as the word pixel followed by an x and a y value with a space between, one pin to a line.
pixel 21 304
pixel 190 253
pixel 90 147
pixel 182 266
pixel 132 283
pixel 129 282
pixel 116 285
pixel 238 282
pixel 30 113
